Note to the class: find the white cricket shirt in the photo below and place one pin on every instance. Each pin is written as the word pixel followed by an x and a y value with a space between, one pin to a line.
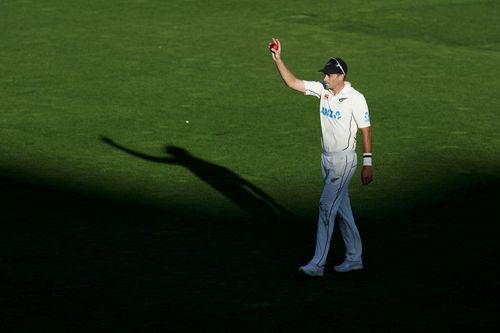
pixel 341 115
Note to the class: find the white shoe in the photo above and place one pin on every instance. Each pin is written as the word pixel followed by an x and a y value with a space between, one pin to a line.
pixel 348 265
pixel 312 270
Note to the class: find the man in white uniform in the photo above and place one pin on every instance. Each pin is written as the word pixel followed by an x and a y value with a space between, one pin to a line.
pixel 342 111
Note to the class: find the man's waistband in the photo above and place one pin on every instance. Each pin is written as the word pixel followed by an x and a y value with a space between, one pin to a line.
pixel 338 153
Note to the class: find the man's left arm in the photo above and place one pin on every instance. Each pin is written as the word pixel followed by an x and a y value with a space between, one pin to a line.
pixel 366 172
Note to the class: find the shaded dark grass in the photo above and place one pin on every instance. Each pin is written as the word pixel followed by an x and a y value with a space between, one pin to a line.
pixel 89 262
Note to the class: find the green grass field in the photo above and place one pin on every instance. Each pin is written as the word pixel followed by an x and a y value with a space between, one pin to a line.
pixel 99 236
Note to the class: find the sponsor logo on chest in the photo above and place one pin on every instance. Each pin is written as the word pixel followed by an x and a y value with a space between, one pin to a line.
pixel 330 113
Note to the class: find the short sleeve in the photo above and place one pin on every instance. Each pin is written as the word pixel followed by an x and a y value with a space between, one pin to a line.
pixel 360 111
pixel 313 88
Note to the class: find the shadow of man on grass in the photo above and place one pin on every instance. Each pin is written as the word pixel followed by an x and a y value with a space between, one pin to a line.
pixel 240 191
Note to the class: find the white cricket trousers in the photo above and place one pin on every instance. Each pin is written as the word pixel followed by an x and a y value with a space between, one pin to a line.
pixel 337 170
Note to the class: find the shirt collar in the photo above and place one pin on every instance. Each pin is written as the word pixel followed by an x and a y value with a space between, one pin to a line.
pixel 347 88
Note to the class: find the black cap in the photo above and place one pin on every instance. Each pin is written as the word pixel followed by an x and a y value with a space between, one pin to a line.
pixel 335 66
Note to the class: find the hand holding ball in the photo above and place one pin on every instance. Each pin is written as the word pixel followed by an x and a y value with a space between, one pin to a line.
pixel 275 49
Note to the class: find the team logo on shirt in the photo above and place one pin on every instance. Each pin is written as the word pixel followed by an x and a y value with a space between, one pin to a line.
pixel 330 113
pixel 367 117
pixel 327 96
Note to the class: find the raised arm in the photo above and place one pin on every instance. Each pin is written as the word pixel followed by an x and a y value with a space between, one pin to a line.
pixel 367 172
pixel 288 77
pixel 146 157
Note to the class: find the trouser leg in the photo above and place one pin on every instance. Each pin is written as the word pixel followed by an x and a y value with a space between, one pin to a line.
pixel 328 207
pixel 337 176
pixel 349 231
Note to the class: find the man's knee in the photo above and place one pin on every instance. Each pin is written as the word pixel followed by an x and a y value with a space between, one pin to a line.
pixel 325 209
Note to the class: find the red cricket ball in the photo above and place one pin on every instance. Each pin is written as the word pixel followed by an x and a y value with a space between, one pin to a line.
pixel 273 46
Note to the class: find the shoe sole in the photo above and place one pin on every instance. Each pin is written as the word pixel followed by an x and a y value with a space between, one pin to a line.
pixel 354 268
pixel 303 271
